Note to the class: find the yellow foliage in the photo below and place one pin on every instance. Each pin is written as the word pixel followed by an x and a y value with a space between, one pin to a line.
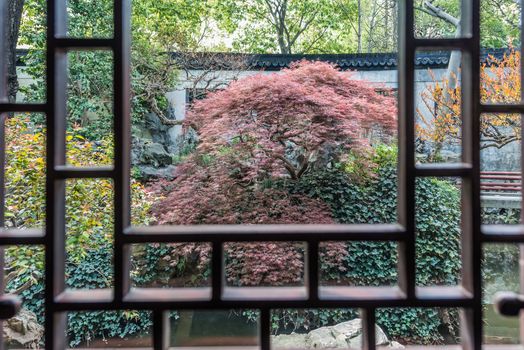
pixel 500 84
pixel 89 202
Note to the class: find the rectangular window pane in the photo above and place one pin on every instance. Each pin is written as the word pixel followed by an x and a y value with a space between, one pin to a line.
pixel 172 265
pixel 90 19
pixel 31 53
pixel 500 272
pixel 500 74
pixel 358 264
pixel 437 19
pixel 109 329
pixel 214 328
pixel 90 108
pixel 438 100
pixel 501 178
pixel 283 165
pixel 438 224
pixel 319 329
pixel 420 326
pixel 89 233
pixel 264 264
pixel 25 170
pixel 24 276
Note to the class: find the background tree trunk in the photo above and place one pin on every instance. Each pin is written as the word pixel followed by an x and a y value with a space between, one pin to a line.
pixel 452 73
pixel 359 30
pixel 14 16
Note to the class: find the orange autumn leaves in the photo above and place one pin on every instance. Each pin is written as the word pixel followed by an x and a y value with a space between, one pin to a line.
pixel 500 84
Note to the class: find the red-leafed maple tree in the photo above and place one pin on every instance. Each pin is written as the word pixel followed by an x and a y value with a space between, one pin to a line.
pixel 257 132
pixel 278 124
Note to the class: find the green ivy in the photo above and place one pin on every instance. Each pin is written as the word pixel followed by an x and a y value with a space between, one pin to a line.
pixel 89 226
pixel 93 271
pixel 149 266
pixel 375 263
pixel 96 271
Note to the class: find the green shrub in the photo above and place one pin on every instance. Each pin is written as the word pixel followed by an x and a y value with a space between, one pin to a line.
pixel 88 326
pixel 352 198
pixel 89 212
pixel 96 271
pixel 495 216
pixel 420 325
pixel 500 262
pixel 374 263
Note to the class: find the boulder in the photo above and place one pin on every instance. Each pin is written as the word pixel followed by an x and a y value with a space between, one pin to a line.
pixel 349 329
pixel 155 154
pixel 355 342
pixel 23 330
pixel 396 345
pixel 157 147
pixel 325 338
pixel 154 124
pixel 345 335
pixel 289 341
pixel 146 172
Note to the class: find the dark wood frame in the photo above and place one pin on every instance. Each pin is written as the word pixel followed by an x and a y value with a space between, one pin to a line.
pixel 59 300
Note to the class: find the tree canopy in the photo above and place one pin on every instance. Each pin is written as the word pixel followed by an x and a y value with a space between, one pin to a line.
pixel 253 26
pixel 269 127
pixel 284 122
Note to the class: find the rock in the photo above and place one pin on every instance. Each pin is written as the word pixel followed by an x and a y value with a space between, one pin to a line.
pixel 150 172
pixel 449 156
pixel 344 335
pixel 23 330
pixel 157 147
pixel 142 133
pixel 155 155
pixel 395 345
pixel 151 160
pixel 324 338
pixel 380 336
pixel 349 329
pixel 153 123
pixel 289 341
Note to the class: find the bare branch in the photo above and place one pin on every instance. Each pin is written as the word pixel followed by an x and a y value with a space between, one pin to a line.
pixel 440 13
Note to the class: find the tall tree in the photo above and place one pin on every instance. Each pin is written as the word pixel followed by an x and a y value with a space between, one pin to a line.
pixel 435 11
pixel 283 26
pixel 158 27
pixel 373 24
pixel 14 16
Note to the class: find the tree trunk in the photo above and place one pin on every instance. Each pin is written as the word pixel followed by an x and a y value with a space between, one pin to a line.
pixel 372 28
pixel 284 48
pixel 452 73
pixel 386 27
pixel 14 17
pixel 453 70
pixel 395 26
pixel 359 30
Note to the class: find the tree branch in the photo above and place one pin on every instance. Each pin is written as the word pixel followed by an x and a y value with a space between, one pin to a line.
pixel 440 13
